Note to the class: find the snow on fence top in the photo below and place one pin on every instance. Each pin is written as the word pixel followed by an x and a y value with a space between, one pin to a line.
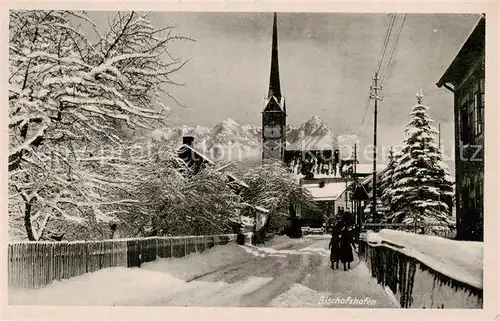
pixel 459 260
pixel 125 239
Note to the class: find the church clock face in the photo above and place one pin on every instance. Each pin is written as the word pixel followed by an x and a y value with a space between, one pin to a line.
pixel 272 131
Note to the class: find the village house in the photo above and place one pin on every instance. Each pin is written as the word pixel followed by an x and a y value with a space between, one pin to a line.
pixel 465 78
pixel 196 161
pixel 250 215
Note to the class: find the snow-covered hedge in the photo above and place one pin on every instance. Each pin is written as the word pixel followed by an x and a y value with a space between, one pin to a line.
pixel 426 271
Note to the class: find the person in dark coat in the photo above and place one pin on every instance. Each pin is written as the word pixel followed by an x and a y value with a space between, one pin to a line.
pixel 335 247
pixel 346 241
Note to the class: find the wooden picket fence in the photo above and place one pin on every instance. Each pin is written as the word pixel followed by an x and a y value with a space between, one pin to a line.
pixel 37 264
pixel 413 283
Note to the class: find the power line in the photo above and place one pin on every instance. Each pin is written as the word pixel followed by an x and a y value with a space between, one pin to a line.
pixel 388 76
pixel 426 95
pixel 427 92
pixel 386 41
pixel 397 40
pixel 366 111
pixel 382 55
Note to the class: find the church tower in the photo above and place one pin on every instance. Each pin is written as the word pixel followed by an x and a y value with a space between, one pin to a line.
pixel 274 114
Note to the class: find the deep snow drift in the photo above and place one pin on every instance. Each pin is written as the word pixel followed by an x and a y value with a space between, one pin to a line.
pixel 459 260
pixel 283 273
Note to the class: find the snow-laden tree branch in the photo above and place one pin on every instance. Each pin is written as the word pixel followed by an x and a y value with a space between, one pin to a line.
pixel 272 187
pixel 184 204
pixel 69 96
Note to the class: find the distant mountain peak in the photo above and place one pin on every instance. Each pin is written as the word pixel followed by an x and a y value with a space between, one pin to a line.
pixel 230 134
pixel 314 127
pixel 229 122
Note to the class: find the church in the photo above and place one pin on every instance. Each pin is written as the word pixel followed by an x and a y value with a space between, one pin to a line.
pixel 305 157
pixel 312 162
pixel 274 114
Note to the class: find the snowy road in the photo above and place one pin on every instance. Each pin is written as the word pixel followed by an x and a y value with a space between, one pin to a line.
pixel 284 273
pixel 299 276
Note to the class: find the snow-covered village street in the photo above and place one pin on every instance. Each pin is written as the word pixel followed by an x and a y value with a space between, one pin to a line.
pixel 246 159
pixel 284 273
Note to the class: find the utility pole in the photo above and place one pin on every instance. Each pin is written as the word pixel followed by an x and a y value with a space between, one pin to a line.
pixel 374 94
pixel 439 136
pixel 346 185
pixel 355 203
pixel 355 160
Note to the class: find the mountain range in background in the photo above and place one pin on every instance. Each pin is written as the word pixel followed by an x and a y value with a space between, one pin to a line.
pixel 230 140
pixel 230 135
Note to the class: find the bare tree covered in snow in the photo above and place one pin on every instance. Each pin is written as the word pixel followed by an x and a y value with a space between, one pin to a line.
pixel 173 201
pixel 271 186
pixel 68 95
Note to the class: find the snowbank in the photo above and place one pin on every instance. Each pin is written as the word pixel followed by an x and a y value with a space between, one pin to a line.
pixel 162 282
pixel 197 264
pixel 373 238
pixel 106 287
pixel 459 260
pixel 135 287
pixel 303 279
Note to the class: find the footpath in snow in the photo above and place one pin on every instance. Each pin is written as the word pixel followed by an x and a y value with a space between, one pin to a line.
pixel 283 273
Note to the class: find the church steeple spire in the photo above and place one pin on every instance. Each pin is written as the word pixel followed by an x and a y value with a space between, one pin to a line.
pixel 274 81
pixel 274 113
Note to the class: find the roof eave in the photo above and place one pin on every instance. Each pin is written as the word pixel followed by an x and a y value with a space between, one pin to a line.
pixel 446 77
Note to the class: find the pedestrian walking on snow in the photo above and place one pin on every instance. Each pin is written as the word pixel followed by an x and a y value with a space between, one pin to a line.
pixel 346 244
pixel 335 247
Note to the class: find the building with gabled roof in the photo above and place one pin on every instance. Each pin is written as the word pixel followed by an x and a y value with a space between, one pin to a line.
pixel 465 78
pixel 196 161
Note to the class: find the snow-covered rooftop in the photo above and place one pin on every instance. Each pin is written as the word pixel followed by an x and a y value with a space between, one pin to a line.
pixel 368 168
pixel 369 178
pixel 237 180
pixel 280 102
pixel 329 192
pixel 206 158
pixel 258 208
pixel 261 209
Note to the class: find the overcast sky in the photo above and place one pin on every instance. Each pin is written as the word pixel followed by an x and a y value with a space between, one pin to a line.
pixel 326 65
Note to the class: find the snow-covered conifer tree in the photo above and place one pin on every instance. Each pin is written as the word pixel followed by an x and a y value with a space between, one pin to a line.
pixel 387 182
pixel 422 189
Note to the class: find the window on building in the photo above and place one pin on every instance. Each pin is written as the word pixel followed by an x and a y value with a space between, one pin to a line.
pixel 472 121
pixel 464 126
pixel 478 113
pixel 479 105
